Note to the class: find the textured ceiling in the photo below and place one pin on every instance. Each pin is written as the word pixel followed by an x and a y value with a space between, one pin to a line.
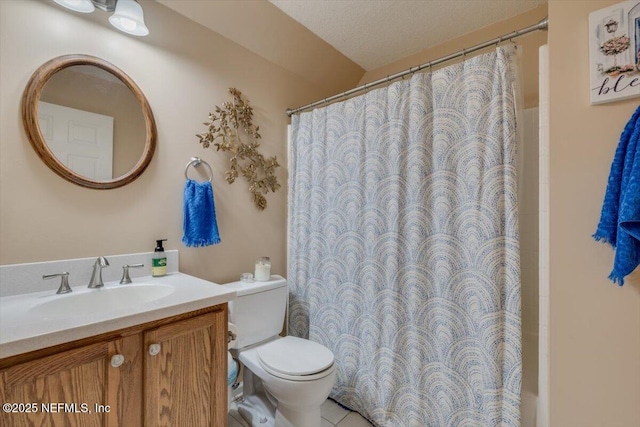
pixel 373 33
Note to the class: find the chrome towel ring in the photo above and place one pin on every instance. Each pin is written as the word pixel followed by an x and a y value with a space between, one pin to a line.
pixel 196 162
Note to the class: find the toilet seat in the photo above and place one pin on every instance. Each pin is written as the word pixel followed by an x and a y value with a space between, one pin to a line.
pixel 295 359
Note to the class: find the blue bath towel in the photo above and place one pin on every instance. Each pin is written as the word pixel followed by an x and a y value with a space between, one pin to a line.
pixel 200 225
pixel 620 219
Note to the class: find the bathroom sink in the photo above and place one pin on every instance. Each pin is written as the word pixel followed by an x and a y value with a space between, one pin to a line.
pixel 107 299
pixel 36 320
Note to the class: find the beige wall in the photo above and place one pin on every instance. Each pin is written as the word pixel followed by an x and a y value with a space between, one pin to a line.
pixel 184 70
pixel 267 31
pixel 594 324
pixel 530 44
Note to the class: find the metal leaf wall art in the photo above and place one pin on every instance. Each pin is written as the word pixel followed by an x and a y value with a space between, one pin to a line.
pixel 224 130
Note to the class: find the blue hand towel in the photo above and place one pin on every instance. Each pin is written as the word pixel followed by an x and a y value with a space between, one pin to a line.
pixel 620 219
pixel 200 225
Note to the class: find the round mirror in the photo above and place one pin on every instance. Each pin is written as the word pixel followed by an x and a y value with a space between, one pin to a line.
pixel 88 121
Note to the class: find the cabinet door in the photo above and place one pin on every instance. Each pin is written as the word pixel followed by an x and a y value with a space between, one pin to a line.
pixel 76 388
pixel 185 372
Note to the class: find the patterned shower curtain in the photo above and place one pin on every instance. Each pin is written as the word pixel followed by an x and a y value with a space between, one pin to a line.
pixel 403 247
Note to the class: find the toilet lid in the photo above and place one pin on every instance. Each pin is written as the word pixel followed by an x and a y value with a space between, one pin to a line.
pixel 295 356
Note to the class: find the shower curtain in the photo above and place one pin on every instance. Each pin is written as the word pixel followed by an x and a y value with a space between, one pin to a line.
pixel 403 247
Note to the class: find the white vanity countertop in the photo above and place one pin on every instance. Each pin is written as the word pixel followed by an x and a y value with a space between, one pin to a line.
pixel 25 324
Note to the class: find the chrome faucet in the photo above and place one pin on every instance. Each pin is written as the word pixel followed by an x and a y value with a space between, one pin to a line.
pixel 64 282
pixel 126 279
pixel 96 276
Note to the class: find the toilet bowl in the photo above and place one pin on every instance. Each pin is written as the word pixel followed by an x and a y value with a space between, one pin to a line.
pixel 287 395
pixel 286 379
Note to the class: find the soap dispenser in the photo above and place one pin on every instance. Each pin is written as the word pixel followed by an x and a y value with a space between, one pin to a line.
pixel 159 260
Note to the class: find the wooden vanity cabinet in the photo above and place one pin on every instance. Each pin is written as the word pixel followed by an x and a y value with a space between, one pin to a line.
pixel 74 388
pixel 182 382
pixel 174 373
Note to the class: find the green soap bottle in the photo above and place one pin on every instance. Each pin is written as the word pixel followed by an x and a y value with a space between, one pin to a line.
pixel 159 260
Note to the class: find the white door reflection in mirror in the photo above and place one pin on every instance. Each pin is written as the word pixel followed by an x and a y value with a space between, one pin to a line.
pixel 81 140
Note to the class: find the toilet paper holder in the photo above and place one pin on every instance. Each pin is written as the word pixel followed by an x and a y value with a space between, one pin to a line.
pixel 232 335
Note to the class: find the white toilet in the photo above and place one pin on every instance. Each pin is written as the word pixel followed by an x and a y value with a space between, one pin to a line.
pixel 285 379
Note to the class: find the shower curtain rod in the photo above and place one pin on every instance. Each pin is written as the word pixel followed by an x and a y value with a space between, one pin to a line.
pixel 542 25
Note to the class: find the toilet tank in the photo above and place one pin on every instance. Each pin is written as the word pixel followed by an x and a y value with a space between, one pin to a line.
pixel 258 310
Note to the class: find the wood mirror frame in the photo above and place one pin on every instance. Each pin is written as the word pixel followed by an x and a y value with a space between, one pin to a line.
pixel 31 97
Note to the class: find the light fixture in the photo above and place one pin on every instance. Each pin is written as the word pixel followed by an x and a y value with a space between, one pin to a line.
pixel 128 16
pixel 82 6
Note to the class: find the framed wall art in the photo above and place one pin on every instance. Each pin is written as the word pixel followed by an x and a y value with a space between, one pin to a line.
pixel 614 52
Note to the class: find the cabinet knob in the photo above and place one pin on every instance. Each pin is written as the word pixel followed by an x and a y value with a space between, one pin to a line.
pixel 154 349
pixel 117 360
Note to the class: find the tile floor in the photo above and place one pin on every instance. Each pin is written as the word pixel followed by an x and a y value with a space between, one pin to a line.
pixel 332 416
